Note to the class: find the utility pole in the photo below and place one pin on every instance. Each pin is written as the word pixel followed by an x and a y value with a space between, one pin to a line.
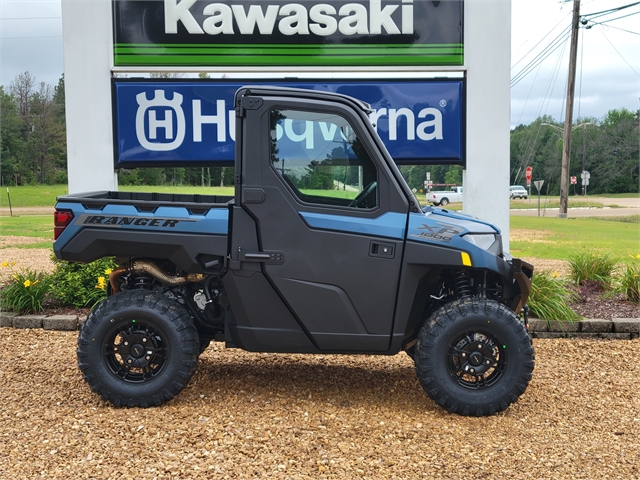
pixel 584 157
pixel 568 118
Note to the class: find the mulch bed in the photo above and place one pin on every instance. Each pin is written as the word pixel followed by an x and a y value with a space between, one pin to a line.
pixel 592 301
pixel 250 416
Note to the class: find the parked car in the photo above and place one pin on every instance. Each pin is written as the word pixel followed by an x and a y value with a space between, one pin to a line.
pixel 446 197
pixel 518 191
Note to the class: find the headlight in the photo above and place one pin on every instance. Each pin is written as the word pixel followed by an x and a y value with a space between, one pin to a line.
pixel 483 240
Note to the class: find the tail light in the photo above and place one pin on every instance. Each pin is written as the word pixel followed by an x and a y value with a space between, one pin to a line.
pixel 61 218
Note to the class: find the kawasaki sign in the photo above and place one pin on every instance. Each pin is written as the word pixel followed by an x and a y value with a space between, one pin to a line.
pixel 282 33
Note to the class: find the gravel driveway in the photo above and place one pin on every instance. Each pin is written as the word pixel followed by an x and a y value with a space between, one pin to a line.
pixel 291 416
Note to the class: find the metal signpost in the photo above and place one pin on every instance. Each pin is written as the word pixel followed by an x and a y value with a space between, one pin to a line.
pixel 538 184
pixel 584 176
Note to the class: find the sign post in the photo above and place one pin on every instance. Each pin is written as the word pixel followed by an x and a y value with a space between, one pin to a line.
pixel 528 174
pixel 538 184
pixel 584 176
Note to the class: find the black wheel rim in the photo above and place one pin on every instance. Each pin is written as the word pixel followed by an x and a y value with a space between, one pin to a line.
pixel 476 360
pixel 135 351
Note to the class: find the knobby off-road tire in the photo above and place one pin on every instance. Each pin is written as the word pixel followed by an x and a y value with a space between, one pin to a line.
pixel 474 357
pixel 138 349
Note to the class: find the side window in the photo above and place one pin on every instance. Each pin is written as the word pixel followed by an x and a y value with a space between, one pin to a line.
pixel 321 158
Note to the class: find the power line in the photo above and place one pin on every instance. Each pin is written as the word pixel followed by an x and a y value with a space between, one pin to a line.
pixel 539 42
pixel 617 28
pixel 612 19
pixel 611 10
pixel 542 56
pixel 612 46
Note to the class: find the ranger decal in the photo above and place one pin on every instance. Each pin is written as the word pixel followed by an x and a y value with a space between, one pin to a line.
pixel 118 221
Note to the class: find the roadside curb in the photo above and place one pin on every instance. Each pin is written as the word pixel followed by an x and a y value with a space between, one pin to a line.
pixel 616 329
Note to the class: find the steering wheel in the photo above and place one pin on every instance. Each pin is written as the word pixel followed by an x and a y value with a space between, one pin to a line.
pixel 366 196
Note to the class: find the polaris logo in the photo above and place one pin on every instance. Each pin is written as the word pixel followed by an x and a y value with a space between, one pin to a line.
pixel 370 17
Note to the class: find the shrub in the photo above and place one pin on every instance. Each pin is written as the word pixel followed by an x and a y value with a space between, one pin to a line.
pixel 25 292
pixel 548 298
pixel 81 284
pixel 591 267
pixel 628 282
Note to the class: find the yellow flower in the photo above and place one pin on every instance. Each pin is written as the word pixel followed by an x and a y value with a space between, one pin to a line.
pixel 102 283
pixel 555 274
pixel 4 264
pixel 638 255
pixel 108 271
pixel 27 283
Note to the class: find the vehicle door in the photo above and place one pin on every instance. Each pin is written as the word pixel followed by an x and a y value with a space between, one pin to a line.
pixel 331 220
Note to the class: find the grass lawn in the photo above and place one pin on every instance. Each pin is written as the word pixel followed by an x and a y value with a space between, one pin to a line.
pixel 45 196
pixel 38 226
pixel 32 196
pixel 556 238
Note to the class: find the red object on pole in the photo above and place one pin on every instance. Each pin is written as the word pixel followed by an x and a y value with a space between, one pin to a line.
pixel 528 175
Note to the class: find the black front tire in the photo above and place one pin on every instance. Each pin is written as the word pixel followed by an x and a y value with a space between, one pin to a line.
pixel 474 357
pixel 138 349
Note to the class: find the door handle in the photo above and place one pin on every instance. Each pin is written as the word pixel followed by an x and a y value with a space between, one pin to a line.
pixel 382 250
pixel 270 257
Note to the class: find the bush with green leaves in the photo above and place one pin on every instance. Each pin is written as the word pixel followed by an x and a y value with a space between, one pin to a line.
pixel 81 284
pixel 25 292
pixel 548 298
pixel 628 282
pixel 591 267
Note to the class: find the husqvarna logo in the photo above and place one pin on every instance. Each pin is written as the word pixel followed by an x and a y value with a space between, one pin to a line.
pixel 160 123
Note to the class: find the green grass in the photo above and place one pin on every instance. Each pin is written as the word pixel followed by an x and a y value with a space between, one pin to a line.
pixel 45 196
pixel 28 226
pixel 556 238
pixel 554 202
pixel 31 196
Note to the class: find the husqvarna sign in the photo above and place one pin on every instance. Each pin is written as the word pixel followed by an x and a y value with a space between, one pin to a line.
pixel 285 33
pixel 179 123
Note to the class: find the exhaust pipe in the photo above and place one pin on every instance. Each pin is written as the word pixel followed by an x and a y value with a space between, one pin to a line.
pixel 138 267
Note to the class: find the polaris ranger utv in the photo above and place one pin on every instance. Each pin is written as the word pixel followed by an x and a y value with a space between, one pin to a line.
pixel 322 249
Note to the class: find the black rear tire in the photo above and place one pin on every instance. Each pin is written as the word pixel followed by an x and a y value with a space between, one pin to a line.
pixel 474 357
pixel 444 202
pixel 138 349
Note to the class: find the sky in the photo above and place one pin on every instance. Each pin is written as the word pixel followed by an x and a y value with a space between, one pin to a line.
pixel 608 72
